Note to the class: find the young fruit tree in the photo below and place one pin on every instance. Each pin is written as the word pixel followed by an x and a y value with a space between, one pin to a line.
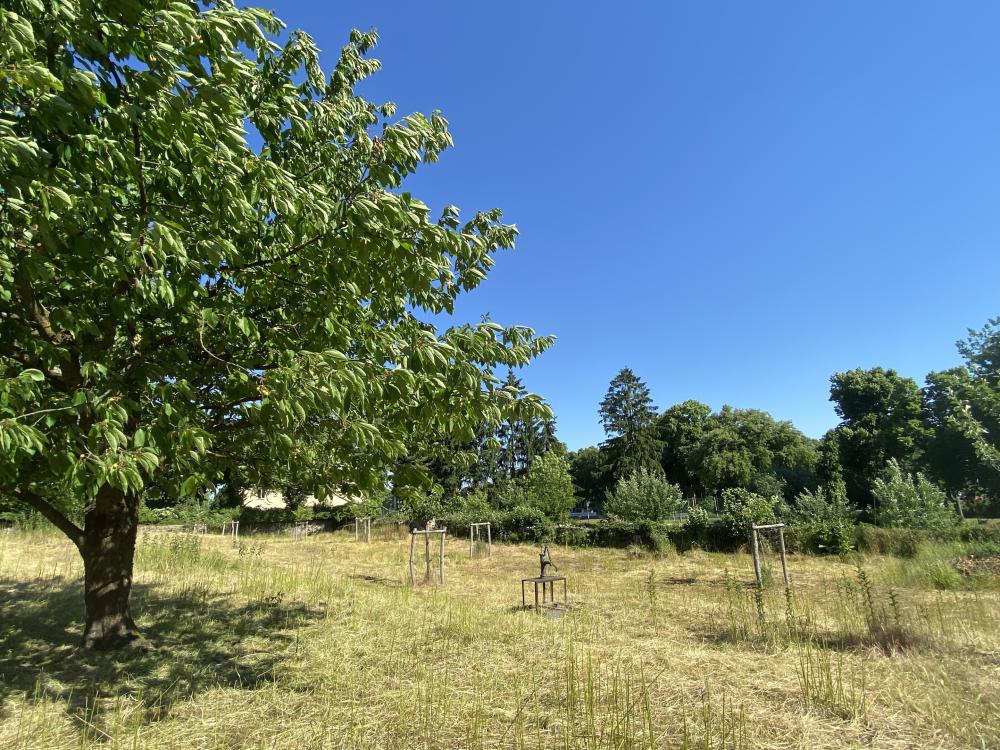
pixel 207 264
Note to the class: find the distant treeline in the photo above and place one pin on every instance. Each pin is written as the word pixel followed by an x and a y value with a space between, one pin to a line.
pixel 947 430
pixel 943 437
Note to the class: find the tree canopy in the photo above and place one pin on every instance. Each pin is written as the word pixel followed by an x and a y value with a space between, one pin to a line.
pixel 208 261
pixel 881 419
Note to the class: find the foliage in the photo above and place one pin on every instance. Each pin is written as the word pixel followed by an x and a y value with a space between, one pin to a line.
pixel 962 407
pixel 827 516
pixel 679 429
pixel 900 542
pixel 587 469
pixel 521 436
pixel 748 448
pixel 148 254
pixel 495 455
pixel 910 501
pixel 697 521
pixel 189 512
pixel 176 301
pixel 548 485
pixel 741 508
pixel 509 494
pixel 643 496
pixel 627 414
pixel 520 523
pixel 420 506
pixel 881 419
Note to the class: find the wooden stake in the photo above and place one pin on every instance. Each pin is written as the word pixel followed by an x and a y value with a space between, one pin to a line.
pixel 755 551
pixel 441 556
pixel 784 565
pixel 427 557
pixel 413 541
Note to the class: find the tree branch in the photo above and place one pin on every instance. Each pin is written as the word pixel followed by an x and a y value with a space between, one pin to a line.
pixel 50 512
pixel 35 310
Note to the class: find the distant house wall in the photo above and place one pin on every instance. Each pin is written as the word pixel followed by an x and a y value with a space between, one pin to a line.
pixel 273 499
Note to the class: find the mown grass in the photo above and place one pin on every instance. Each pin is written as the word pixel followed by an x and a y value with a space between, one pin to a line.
pixel 319 643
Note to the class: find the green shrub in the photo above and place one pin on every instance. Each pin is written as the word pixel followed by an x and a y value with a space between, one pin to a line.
pixel 911 502
pixel 522 523
pixel 188 513
pixel 420 507
pixel 623 534
pixel 741 508
pixel 573 534
pixel 643 496
pixel 980 532
pixel 697 521
pixel 889 541
pixel 825 520
pixel 548 485
pixel 509 494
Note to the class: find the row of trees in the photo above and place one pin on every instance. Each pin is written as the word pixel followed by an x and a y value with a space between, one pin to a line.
pixel 700 451
pixel 947 431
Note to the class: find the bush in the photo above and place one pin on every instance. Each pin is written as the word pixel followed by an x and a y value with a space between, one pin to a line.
pixel 188 513
pixel 651 535
pixel 509 494
pixel 980 532
pixel 643 496
pixel 741 508
pixel 697 521
pixel 910 501
pixel 526 523
pixel 889 541
pixel 824 520
pixel 421 507
pixel 522 523
pixel 548 485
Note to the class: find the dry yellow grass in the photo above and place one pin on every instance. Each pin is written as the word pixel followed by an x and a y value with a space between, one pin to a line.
pixel 319 643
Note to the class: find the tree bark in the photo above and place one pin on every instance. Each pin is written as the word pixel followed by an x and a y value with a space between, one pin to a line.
pixel 108 549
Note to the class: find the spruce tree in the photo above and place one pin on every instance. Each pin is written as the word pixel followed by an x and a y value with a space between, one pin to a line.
pixel 628 415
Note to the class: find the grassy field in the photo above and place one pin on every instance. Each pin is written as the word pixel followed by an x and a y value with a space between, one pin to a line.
pixel 275 643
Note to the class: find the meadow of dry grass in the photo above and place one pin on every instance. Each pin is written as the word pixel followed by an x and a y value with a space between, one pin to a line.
pixel 271 642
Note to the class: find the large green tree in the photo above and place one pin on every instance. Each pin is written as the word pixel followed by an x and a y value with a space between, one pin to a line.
pixel 679 429
pixel 178 297
pixel 962 408
pixel 748 448
pixel 881 419
pixel 628 415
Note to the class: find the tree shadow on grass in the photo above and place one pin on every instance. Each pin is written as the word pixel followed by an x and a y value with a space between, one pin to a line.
pixel 201 641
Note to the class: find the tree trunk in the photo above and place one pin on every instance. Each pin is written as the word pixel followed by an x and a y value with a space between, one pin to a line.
pixel 108 550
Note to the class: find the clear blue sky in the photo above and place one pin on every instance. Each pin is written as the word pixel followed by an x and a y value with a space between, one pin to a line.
pixel 736 200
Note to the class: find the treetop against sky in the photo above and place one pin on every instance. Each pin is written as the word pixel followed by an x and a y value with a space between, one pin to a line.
pixel 734 201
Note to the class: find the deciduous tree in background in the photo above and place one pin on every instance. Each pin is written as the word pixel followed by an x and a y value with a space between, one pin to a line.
pixel 679 429
pixel 548 485
pixel 881 419
pixel 175 302
pixel 962 406
pixel 749 448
